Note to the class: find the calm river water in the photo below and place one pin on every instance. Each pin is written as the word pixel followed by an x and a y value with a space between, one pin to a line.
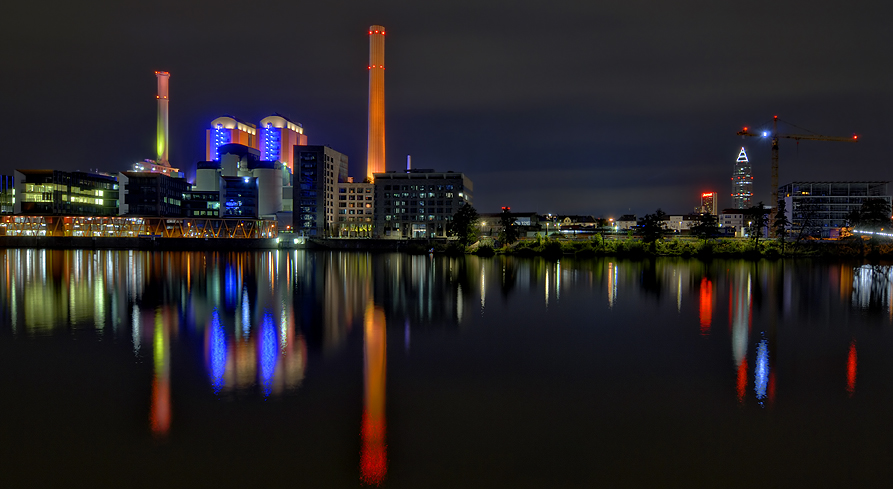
pixel 319 369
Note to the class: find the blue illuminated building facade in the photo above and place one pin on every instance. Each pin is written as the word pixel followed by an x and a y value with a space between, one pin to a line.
pixel 271 142
pixel 219 137
pixel 239 197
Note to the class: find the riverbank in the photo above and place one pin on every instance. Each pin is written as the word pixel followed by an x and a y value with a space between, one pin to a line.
pixel 854 248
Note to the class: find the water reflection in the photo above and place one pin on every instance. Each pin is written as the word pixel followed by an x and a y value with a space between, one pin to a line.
pixel 373 454
pixel 267 326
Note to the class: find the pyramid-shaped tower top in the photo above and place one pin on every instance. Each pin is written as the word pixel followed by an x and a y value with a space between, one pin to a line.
pixel 742 156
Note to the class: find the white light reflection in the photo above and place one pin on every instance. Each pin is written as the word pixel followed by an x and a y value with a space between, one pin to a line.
pixel 678 290
pixel 459 304
pixel 135 315
pixel 484 289
pixel 246 314
pixel 612 284
pixel 547 287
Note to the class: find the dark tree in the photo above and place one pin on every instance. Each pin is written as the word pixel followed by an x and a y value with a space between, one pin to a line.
pixel 806 219
pixel 758 222
pixel 510 232
pixel 706 227
pixel 781 223
pixel 654 226
pixel 464 225
pixel 873 215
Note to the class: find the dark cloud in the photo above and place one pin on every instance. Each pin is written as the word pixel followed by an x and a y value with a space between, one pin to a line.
pixel 556 107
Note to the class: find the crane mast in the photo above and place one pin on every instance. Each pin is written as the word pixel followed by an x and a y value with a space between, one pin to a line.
pixel 775 136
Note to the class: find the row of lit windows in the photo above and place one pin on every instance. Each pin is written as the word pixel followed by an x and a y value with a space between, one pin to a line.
pixel 421 187
pixel 417 218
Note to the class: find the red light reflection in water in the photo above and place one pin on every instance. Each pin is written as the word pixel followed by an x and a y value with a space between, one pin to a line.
pixel 851 361
pixel 374 449
pixel 741 385
pixel 706 306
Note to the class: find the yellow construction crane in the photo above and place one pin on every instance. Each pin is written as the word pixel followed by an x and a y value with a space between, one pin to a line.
pixel 775 135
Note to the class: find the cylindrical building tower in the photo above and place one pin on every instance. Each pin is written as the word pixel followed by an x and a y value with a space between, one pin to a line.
pixel 375 159
pixel 163 128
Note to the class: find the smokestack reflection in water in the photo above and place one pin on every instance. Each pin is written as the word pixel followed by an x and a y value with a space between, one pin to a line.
pixel 851 362
pixel 160 412
pixel 373 452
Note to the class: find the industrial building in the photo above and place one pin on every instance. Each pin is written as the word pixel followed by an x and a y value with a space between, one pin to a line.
pixel 418 203
pixel 228 130
pixel 375 158
pixel 278 137
pixel 820 209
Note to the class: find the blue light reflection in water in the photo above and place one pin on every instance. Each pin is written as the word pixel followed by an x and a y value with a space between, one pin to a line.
pixel 761 371
pixel 218 352
pixel 269 353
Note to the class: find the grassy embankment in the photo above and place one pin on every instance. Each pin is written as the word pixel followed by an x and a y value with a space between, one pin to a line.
pixel 720 248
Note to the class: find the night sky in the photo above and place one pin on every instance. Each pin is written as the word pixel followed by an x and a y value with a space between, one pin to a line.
pixel 577 107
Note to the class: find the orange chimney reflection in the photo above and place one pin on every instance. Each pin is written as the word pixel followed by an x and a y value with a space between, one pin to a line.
pixel 851 361
pixel 373 453
pixel 706 304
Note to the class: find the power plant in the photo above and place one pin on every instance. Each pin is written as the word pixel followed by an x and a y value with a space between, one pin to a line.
pixel 375 157
pixel 163 138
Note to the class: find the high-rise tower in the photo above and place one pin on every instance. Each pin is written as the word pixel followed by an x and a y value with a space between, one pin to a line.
pixel 162 141
pixel 375 157
pixel 742 182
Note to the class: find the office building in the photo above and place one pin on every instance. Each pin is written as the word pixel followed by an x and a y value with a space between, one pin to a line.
pixel 150 194
pixel 820 209
pixel 320 170
pixel 54 192
pixel 742 182
pixel 7 194
pixel 239 197
pixel 375 158
pixel 418 203
pixel 356 205
pixel 708 203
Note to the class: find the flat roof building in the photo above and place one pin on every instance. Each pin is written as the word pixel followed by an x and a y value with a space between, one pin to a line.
pixel 820 209
pixel 54 192
pixel 320 170
pixel 418 203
